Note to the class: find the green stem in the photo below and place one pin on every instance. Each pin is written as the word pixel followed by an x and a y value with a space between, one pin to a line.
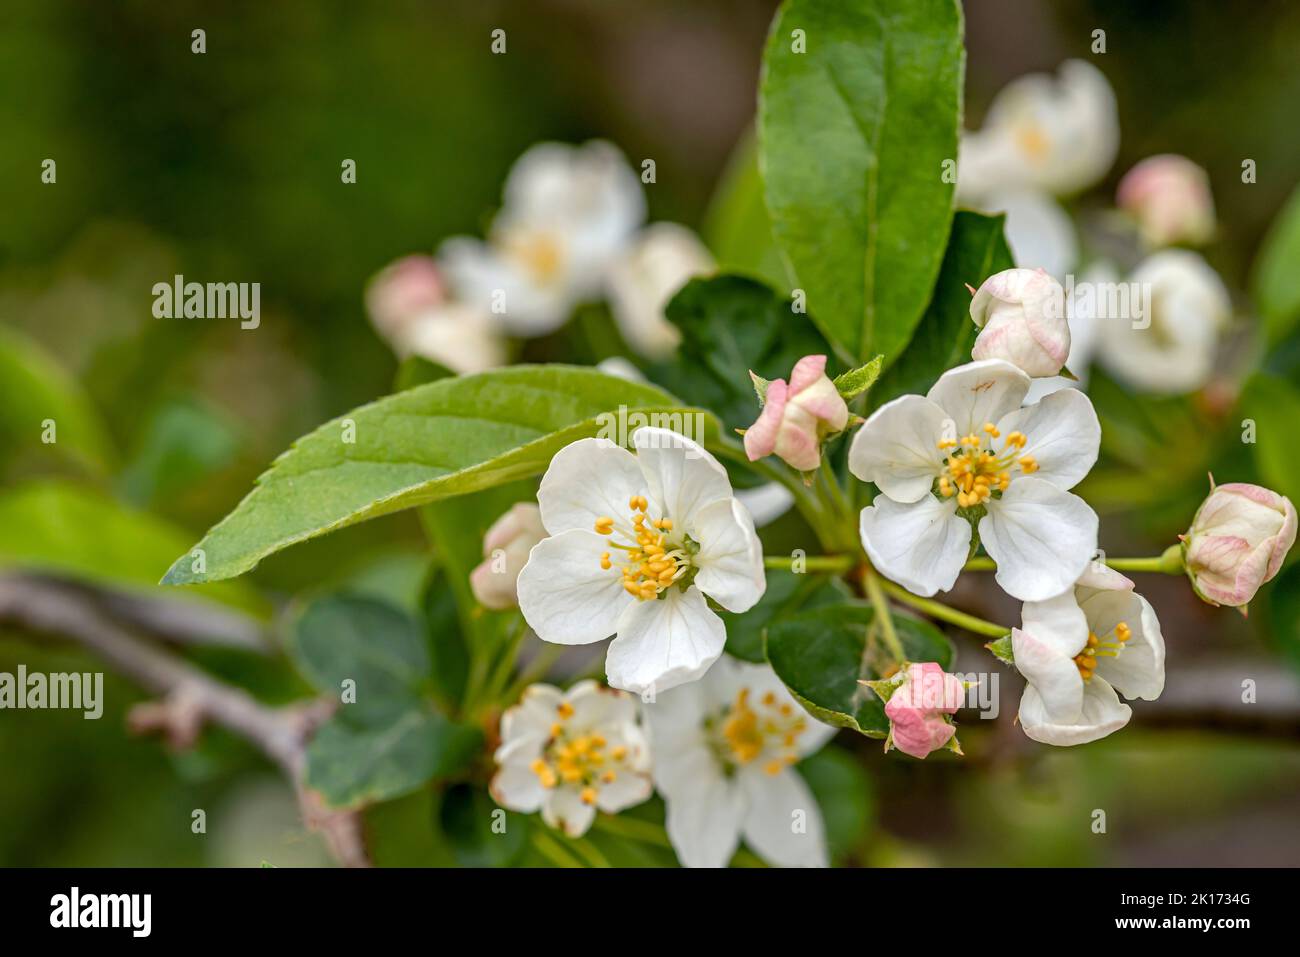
pixel 936 610
pixel 506 663
pixel 808 505
pixel 812 563
pixel 589 851
pixel 1168 563
pixel 876 592
pixel 838 502
pixel 535 671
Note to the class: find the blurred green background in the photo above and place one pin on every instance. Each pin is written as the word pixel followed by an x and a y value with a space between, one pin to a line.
pixel 226 166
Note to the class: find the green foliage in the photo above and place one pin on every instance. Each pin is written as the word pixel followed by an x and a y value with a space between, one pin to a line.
pixel 1275 285
pixel 390 740
pixel 731 326
pixel 446 438
pixel 786 593
pixel 853 136
pixel 853 383
pixel 1274 404
pixel 34 388
pixel 466 817
pixel 823 654
pixel 737 226
pixel 61 528
pixel 976 250
pixel 844 794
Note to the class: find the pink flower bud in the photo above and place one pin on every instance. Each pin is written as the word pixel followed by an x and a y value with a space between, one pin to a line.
pixel 1169 196
pixel 402 292
pixel 505 552
pixel 917 707
pixel 1238 539
pixel 798 417
pixel 1021 317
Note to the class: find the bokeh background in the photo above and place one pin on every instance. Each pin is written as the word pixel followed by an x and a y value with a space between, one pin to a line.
pixel 226 166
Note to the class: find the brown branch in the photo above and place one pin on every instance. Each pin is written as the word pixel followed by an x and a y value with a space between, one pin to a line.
pixel 190 697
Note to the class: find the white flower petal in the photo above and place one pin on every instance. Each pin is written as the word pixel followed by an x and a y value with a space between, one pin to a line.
pixel 1041 538
pixel 922 546
pixel 564 810
pixel 897 447
pixel 526 727
pixel 1050 670
pixel 595 704
pixel 626 790
pixel 516 787
pixel 1058 622
pixel 1138 671
pixel 730 559
pixel 675 725
pixel 1039 232
pixel 564 594
pixel 766 503
pixel 587 480
pixel 775 803
pixel 681 475
pixel 979 392
pixel 1062 433
pixel 703 819
pixel 664 642
pixel 1102 714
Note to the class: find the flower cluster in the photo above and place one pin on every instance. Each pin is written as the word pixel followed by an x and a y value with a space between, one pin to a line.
pixel 570 230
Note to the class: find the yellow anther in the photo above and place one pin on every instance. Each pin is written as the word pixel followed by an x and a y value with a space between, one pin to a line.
pixel 992 429
pixel 609 777
pixel 604 525
pixel 619 753
pixel 774 766
pixel 588 795
pixel 637 503
pixel 947 443
pixel 1123 632
pixel 564 709
pixel 605 562
pixel 1028 464
pixel 972 440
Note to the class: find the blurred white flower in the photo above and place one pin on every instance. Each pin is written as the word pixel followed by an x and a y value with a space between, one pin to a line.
pixel 1170 198
pixel 570 754
pixel 1171 349
pixel 1077 649
pixel 569 212
pixel 1040 233
pixel 408 306
pixel 1056 134
pixel 642 281
pixel 725 747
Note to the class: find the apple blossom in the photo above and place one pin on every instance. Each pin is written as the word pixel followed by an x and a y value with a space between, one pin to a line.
pixel 1056 134
pixel 1021 317
pixel 570 754
pixel 917 709
pixel 642 281
pixel 505 552
pixel 568 213
pixel 1077 649
pixel 725 748
pixel 408 305
pixel 797 418
pixel 1169 196
pixel 968 452
pixel 1237 542
pixel 1086 302
pixel 1172 349
pixel 637 542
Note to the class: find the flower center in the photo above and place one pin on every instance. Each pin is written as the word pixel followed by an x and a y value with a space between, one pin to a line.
pixel 580 759
pixel 1086 660
pixel 655 561
pixel 974 473
pixel 1033 141
pixel 540 253
pixel 768 732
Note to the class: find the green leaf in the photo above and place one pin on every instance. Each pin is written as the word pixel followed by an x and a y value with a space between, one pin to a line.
pixel 62 528
pixel 1001 649
pixel 467 816
pixel 352 764
pixel 786 593
pixel 431 442
pixel 976 250
pixel 732 325
pixel 1275 283
pixel 446 639
pixel 35 389
pixel 379 648
pixel 823 654
pixel 853 136
pixel 737 227
pixel 853 383
pixel 1274 405
pixel 845 795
